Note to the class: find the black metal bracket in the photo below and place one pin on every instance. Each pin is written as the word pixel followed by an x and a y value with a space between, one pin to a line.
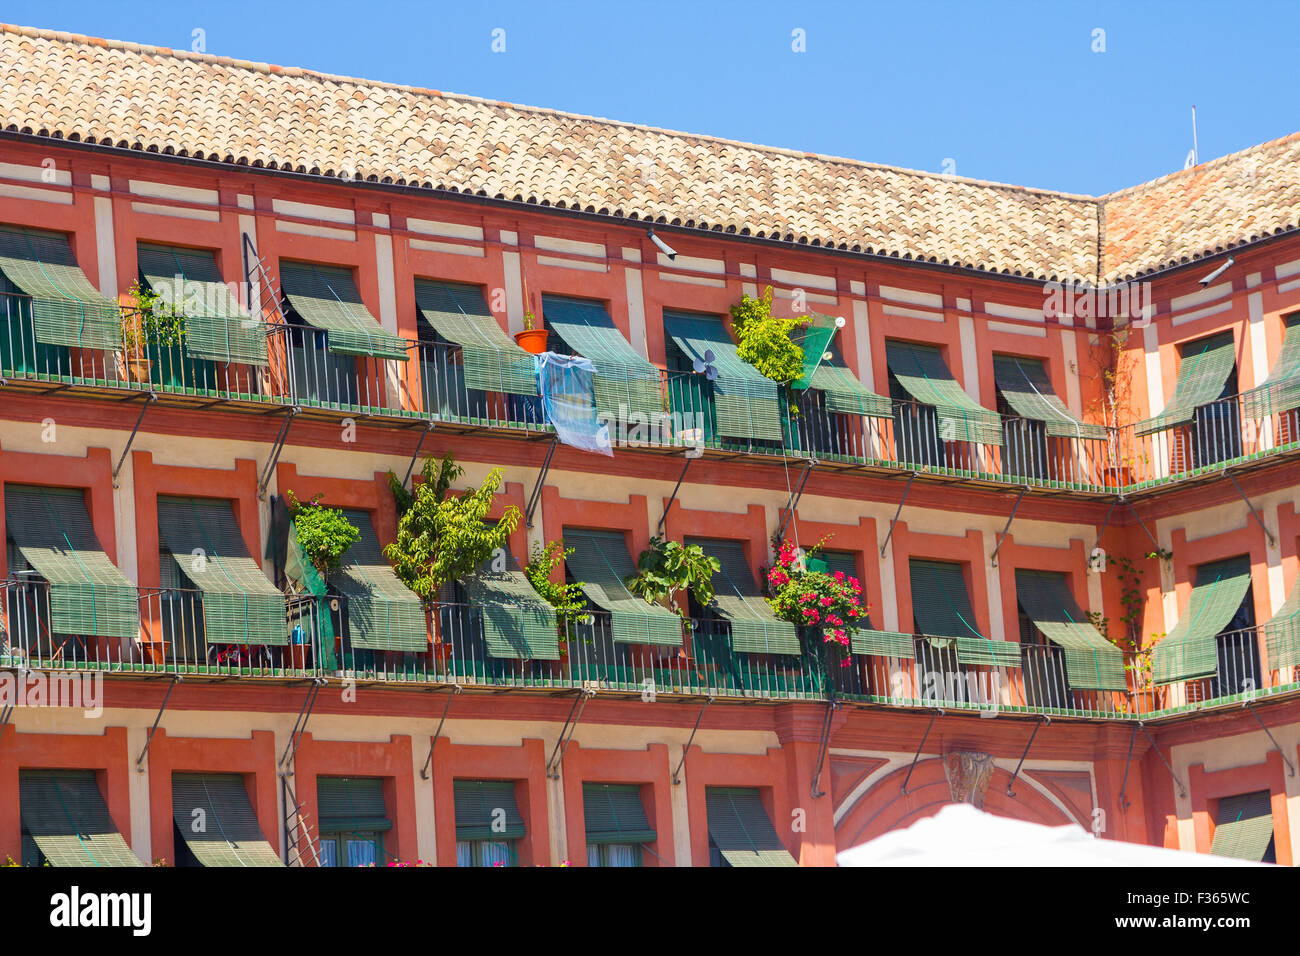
pixel 1123 787
pixel 428 427
pixel 1290 768
pixel 793 503
pixel 1142 524
pixel 567 732
pixel 300 725
pixel 1043 721
pixel 1105 524
pixel 424 771
pixel 1182 791
pixel 139 761
pixel 673 497
pixel 677 774
pixel 278 447
pixel 1254 513
pixel 901 501
pixel 993 558
pixel 817 791
pixel 535 498
pixel 938 712
pixel 149 399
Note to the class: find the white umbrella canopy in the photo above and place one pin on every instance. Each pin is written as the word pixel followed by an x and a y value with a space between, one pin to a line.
pixel 960 835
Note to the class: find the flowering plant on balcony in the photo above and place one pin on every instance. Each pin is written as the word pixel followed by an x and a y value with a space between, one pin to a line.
pixel 831 603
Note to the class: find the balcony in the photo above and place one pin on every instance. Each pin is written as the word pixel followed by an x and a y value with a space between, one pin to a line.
pixel 1235 432
pixel 175 639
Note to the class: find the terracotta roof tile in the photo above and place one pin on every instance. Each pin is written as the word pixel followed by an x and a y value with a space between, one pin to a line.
pixel 153 99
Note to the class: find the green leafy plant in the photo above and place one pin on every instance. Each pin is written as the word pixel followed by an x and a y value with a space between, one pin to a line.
pixel 530 321
pixel 153 322
pixel 1131 596
pixel 567 599
pixel 764 339
pixel 325 534
pixel 831 603
pixel 442 536
pixel 666 568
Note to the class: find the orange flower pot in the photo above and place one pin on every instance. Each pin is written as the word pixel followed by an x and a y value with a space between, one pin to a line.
pixel 532 341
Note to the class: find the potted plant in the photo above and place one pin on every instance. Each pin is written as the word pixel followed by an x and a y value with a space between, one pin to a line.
pixel 324 534
pixel 567 599
pixel 532 338
pixel 150 326
pixel 764 341
pixel 831 603
pixel 666 569
pixel 442 536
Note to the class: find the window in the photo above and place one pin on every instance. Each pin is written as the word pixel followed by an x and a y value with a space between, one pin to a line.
pixel 353 821
pixel 616 824
pixel 740 830
pixel 1243 827
pixel 1024 443
pixel 916 428
pixel 488 824
pixel 1216 427
pixel 1043 664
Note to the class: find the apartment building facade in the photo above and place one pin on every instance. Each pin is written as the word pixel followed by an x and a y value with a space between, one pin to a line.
pixel 1080 518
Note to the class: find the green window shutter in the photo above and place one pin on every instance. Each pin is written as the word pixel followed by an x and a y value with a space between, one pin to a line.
pixel 383 613
pixel 518 623
pixel 1091 661
pixel 1280 392
pixel 240 606
pixel 741 829
pixel 225 831
pixel 940 603
pixel 477 806
pixel 882 643
pixel 755 629
pixel 747 403
pixel 493 362
pixel 614 814
pixel 217 327
pixel 88 594
pixel 816 340
pixel 351 805
pixel 987 653
pixel 65 815
pixel 1282 633
pixel 623 377
pixel 845 395
pixel 600 563
pixel 1243 827
pixel 1202 373
pixel 1189 649
pixel 327 297
pixel 920 369
pixel 66 308
pixel 1027 389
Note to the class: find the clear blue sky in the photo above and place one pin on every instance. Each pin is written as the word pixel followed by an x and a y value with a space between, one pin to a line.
pixel 1008 91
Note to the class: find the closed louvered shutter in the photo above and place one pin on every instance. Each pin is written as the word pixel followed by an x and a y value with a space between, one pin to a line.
pixel 614 814
pixel 1027 389
pixel 624 383
pixel 746 402
pixel 351 804
pixel 492 360
pixel 600 563
pixel 1091 661
pixel 1189 650
pixel 65 815
pixel 66 308
pixel 1202 373
pixel 518 623
pixel 755 628
pixel 240 606
pixel 1243 827
pixel 920 369
pixel 216 326
pixel 741 830
pixel 482 805
pixel 88 594
pixel 327 298
pixel 383 613
pixel 217 822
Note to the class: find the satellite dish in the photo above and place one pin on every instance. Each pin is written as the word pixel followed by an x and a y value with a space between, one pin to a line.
pixel 839 322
